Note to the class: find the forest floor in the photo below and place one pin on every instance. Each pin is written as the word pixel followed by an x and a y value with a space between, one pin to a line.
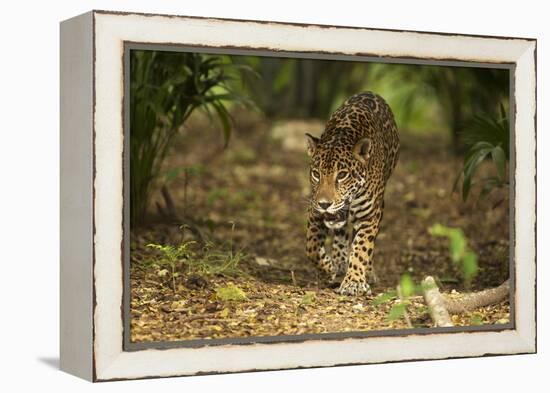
pixel 249 202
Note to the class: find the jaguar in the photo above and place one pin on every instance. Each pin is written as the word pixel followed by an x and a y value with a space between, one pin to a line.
pixel 350 164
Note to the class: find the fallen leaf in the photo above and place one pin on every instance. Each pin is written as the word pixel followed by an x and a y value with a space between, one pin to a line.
pixel 308 299
pixel 263 261
pixel 230 293
pixel 162 272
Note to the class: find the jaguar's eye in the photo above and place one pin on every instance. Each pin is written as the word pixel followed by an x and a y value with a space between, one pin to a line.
pixel 315 174
pixel 341 175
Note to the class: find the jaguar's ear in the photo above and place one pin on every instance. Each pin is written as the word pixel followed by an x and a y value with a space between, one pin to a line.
pixel 311 144
pixel 361 150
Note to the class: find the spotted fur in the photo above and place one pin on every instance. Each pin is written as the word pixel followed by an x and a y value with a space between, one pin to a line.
pixel 350 165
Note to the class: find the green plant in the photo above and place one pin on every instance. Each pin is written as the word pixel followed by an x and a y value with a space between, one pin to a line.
pixel 460 254
pixel 459 251
pixel 400 297
pixel 384 297
pixel 217 260
pixel 211 259
pixel 173 257
pixel 225 259
pixel 424 96
pixel 487 136
pixel 404 291
pixel 165 88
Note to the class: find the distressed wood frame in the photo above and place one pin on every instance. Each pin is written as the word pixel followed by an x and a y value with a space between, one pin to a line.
pixel 93 222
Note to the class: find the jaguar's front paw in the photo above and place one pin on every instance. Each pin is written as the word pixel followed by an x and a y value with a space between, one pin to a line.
pixel 354 288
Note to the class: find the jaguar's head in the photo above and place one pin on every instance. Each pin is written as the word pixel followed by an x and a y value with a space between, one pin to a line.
pixel 337 172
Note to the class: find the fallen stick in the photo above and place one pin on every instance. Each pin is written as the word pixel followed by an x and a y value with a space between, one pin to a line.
pixel 440 305
pixel 475 300
pixel 436 303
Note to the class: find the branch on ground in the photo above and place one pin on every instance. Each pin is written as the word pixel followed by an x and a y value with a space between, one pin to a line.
pixel 436 303
pixel 440 305
pixel 475 300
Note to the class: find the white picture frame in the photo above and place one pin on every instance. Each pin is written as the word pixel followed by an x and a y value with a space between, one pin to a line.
pixel 92 193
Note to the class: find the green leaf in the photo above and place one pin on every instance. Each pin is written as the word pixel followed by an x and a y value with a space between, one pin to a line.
pixel 466 187
pixel 489 184
pixel 469 265
pixel 225 120
pixel 457 244
pixel 407 285
pixel 487 134
pixel 384 298
pixel 499 158
pixel 165 89
pixel 438 230
pixel 457 180
pixel 397 311
pixel 503 114
pixel 458 249
pixel 474 158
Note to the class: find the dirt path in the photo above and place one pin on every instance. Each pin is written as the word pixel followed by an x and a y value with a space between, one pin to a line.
pixel 253 195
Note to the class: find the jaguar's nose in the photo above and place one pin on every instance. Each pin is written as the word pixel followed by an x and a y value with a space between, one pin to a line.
pixel 324 204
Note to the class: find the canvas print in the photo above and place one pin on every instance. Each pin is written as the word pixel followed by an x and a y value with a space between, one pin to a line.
pixel 284 197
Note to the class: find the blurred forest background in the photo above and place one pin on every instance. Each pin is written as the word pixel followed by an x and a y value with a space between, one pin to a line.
pixel 219 188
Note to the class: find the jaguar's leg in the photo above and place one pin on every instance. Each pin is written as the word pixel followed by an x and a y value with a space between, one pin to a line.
pixel 339 252
pixel 360 265
pixel 315 246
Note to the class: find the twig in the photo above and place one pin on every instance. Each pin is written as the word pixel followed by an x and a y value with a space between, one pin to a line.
pixel 293 278
pixel 436 303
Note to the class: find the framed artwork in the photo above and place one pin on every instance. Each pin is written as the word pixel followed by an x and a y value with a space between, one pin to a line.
pixel 247 195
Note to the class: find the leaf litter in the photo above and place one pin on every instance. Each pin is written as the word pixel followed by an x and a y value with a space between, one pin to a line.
pixel 258 201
